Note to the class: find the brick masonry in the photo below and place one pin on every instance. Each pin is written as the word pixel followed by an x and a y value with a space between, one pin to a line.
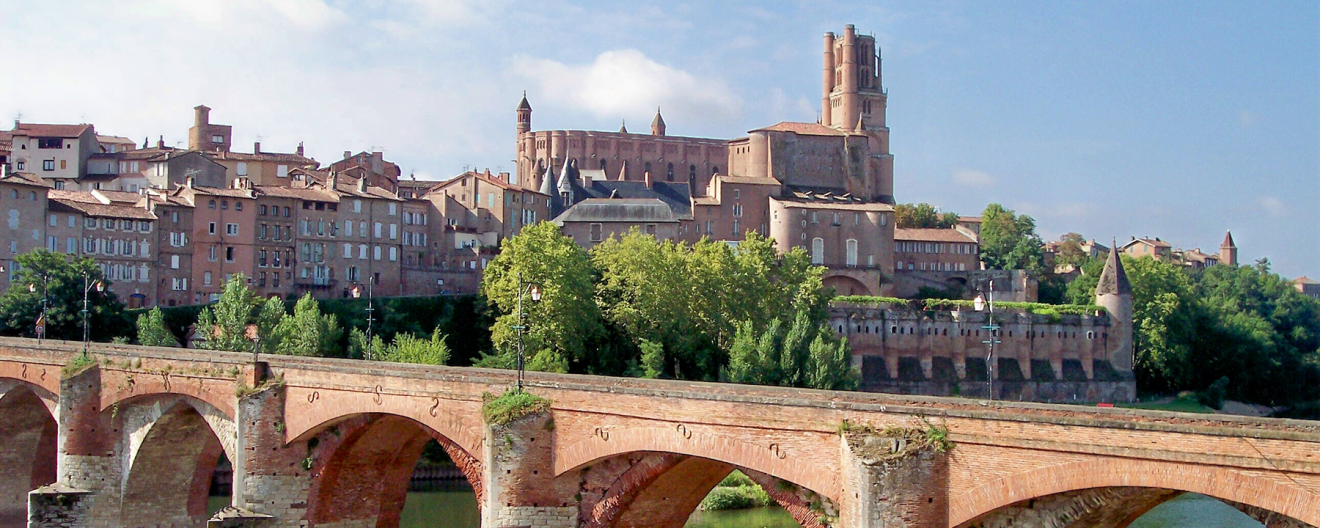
pixel 331 443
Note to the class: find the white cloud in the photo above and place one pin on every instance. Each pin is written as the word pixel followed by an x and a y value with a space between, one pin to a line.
pixel 626 82
pixel 1273 206
pixel 972 178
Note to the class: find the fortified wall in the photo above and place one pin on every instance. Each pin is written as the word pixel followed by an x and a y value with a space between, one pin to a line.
pixel 1049 357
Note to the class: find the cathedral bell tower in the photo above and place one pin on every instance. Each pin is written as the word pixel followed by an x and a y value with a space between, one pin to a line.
pixel 851 83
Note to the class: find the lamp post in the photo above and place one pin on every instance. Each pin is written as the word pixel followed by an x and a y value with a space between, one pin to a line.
pixel 524 288
pixel 45 291
pixel 87 288
pixel 368 352
pixel 980 304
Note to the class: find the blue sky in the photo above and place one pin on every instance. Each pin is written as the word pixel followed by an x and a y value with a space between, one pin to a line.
pixel 1112 119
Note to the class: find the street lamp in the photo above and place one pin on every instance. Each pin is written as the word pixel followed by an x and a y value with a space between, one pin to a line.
pixel 980 303
pixel 45 300
pixel 367 353
pixel 87 287
pixel 524 288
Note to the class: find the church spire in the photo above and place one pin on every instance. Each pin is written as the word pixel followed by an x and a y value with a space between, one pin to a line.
pixel 658 124
pixel 623 126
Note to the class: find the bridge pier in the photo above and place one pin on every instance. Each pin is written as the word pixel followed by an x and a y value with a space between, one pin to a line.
pixel 271 480
pixel 891 482
pixel 89 473
pixel 521 489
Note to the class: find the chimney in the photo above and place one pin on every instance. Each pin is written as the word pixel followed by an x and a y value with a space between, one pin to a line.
pixel 201 116
pixel 348 154
pixel 377 162
pixel 299 151
pixel 332 181
pixel 189 182
pixel 160 143
pixel 256 147
pixel 362 184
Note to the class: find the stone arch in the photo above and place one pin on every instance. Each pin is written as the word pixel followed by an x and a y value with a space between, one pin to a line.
pixel 1225 484
pixel 28 445
pixel 311 410
pixel 662 490
pixel 770 459
pixel 362 465
pixel 171 446
pixel 845 285
pixel 121 387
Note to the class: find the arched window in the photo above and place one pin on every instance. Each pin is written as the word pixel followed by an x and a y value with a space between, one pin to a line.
pixel 715 169
pixel 818 251
pixel 602 166
pixel 692 172
pixel 669 174
pixel 648 167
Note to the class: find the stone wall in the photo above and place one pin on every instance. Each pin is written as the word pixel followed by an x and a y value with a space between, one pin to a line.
pixel 1051 358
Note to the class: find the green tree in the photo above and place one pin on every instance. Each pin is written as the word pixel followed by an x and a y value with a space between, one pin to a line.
pixel 1070 252
pixel 62 287
pixel 410 349
pixel 305 333
pixel 358 348
pixel 1009 241
pixel 224 324
pixel 566 319
pixel 151 330
pixel 803 355
pixel 923 216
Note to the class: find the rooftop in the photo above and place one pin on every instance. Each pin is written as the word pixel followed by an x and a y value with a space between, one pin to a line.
pixel 932 235
pixel 632 210
pixel 807 129
pixel 44 130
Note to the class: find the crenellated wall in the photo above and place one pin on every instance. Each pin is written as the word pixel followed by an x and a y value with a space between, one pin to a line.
pixel 1065 357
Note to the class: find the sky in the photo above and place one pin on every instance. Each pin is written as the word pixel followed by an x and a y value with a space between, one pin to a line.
pixel 1177 119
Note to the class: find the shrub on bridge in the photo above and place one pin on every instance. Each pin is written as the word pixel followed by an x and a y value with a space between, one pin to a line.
pixel 510 406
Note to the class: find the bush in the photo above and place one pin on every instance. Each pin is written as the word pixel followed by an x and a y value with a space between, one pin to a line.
pixel 511 406
pixel 1213 396
pixel 736 498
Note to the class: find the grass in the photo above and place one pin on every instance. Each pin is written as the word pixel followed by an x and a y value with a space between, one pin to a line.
pixel 78 364
pixel 1185 402
pixel 511 406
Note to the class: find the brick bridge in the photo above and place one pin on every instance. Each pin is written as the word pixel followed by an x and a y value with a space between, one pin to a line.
pixel 134 440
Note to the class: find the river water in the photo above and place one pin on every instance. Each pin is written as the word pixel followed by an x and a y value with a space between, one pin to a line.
pixel 452 509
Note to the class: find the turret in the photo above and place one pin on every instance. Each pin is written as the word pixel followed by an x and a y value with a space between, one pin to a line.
pixel 658 124
pixel 548 179
pixel 1228 251
pixel 566 182
pixel 524 116
pixel 828 79
pixel 1114 294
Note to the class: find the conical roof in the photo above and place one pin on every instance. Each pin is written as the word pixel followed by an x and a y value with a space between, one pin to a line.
pixel 548 180
pixel 524 105
pixel 658 121
pixel 623 127
pixel 1228 240
pixel 566 178
pixel 1113 280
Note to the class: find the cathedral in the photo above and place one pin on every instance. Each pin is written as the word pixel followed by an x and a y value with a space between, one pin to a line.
pixel 826 187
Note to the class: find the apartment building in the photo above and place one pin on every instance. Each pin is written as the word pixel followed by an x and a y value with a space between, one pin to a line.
pixel 936 250
pixel 222 238
pixel 117 231
pixel 174 260
pixel 55 153
pixel 23 204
